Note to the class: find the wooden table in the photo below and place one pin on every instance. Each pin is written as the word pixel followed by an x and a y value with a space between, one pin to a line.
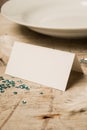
pixel 54 109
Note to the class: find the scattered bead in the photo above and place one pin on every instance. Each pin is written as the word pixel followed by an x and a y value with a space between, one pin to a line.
pixel 8 85
pixel 7 81
pixel 15 93
pixel 24 102
pixel 83 60
pixel 22 86
pixel 26 87
pixel 41 93
pixel 2 91
pixel 11 83
pixel 19 81
pixel 4 81
pixel 1 78
pixel 2 86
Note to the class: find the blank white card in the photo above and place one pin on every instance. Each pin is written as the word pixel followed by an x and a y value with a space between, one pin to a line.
pixel 42 65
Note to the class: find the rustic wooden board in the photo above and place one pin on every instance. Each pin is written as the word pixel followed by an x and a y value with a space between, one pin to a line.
pixel 51 110
pixel 54 109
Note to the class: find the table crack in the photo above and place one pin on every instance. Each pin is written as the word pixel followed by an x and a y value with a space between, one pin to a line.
pixel 10 115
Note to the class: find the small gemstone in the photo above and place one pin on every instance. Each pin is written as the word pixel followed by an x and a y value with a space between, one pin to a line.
pixel 7 81
pixel 24 102
pixel 5 87
pixel 2 91
pixel 12 83
pixel 1 78
pixel 27 88
pixel 83 60
pixel 2 86
pixel 4 81
pixel 8 85
pixel 41 93
pixel 15 93
pixel 22 86
pixel 19 81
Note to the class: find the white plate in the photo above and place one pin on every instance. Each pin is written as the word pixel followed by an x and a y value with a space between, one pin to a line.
pixel 64 18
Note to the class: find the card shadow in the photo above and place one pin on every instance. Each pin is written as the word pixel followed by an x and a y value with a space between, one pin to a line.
pixel 74 78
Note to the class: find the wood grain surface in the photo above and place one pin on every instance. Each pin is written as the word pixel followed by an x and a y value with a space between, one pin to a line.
pixel 54 109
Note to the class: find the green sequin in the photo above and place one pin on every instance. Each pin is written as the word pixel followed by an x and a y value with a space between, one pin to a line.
pixel 6 83
pixel 24 102
pixel 1 78
pixel 26 87
pixel 19 81
pixel 2 91
pixel 22 86
pixel 41 93
pixel 15 93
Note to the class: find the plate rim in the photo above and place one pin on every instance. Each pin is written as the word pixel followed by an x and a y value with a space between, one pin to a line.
pixel 38 27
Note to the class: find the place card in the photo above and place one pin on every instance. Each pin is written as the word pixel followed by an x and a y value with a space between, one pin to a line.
pixel 48 67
